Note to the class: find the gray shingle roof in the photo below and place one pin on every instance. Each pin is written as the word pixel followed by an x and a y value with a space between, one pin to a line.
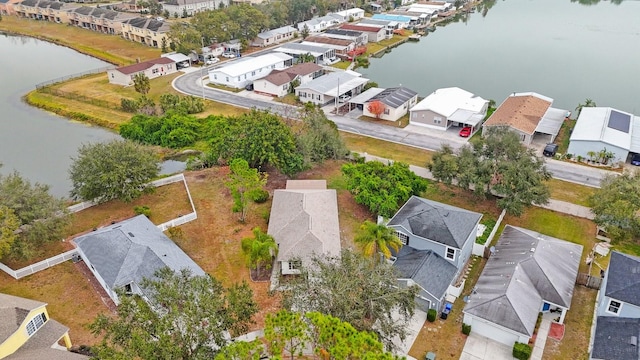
pixel 623 279
pixel 131 250
pixel 344 32
pixel 435 221
pixel 526 269
pixel 395 97
pixel 427 269
pixel 613 338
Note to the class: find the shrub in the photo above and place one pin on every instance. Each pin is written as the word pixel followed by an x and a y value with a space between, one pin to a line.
pixel 466 329
pixel 521 351
pixel 259 196
pixel 142 210
pixel 490 224
pixel 129 105
pixel 431 315
pixel 175 233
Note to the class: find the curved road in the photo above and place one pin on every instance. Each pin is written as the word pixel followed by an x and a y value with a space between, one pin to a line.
pixel 190 84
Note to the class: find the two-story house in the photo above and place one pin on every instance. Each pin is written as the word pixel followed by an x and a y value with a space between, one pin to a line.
pixel 438 241
pixel 617 327
pixel 147 31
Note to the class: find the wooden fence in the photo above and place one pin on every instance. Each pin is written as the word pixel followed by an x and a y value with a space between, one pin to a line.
pixel 592 282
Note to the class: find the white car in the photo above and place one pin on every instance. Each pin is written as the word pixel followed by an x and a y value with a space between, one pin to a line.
pixel 228 55
pixel 344 98
pixel 212 61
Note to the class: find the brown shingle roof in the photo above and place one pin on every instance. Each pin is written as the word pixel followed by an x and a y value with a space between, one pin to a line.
pixel 131 69
pixel 361 28
pixel 521 112
pixel 304 68
pixel 280 77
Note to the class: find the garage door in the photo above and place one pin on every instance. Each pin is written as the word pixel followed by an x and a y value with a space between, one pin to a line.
pixel 492 332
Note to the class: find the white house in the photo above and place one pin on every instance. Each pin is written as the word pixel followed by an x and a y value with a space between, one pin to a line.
pixel 152 69
pixel 244 71
pixel 358 37
pixel 328 88
pixel 278 83
pixel 322 54
pixel 320 24
pixel 604 128
pixel 192 6
pixel 275 36
pixel 448 107
pixel 374 33
pixel 352 14
pixel 341 46
pixel 395 102
pixel 403 21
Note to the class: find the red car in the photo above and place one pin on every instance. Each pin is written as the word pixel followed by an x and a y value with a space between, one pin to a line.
pixel 465 132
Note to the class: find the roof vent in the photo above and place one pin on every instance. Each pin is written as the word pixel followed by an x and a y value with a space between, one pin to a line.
pixel 533 249
pixel 130 234
pixel 633 341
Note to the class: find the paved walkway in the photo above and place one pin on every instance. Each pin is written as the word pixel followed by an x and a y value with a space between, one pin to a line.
pixel 541 339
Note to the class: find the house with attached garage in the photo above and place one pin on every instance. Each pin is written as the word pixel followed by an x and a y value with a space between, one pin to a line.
pixel 121 255
pixel 449 107
pixel 304 224
pixel 529 115
pixel 528 273
pixel 27 332
pixel 152 69
pixel 617 323
pixel 396 103
pixel 245 70
pixel 437 244
pixel 278 83
pixel 604 128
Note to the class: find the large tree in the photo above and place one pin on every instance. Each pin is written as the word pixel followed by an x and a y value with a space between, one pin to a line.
pixel 112 170
pixel 616 205
pixel 318 138
pixel 382 188
pixel 354 289
pixel 184 38
pixel 244 182
pixel 9 223
pixel 183 317
pixel 376 239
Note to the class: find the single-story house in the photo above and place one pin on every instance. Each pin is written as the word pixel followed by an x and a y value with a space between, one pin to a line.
pixel 374 33
pixel 29 333
pixel 213 50
pixel 402 20
pixel 278 83
pixel 304 224
pixel 417 18
pixel 320 24
pixel 528 114
pixel 437 244
pixel 604 128
pixel 448 107
pixel 388 25
pixel 178 58
pixel 352 14
pixel 245 70
pixel 328 88
pixel 358 37
pixel 321 54
pixel 275 36
pixel 396 103
pixel 152 68
pixel 527 274
pixel 341 46
pixel 618 311
pixel 121 255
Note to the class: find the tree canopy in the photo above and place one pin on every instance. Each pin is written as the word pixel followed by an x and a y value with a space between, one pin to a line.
pixel 141 83
pixel 318 138
pixel 354 289
pixel 616 205
pixel 376 239
pixel 259 250
pixel 112 170
pixel 382 188
pixel 243 183
pixel 185 318
pixel 496 164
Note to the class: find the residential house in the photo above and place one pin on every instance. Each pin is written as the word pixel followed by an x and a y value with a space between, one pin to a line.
pixel 278 82
pixel 527 274
pixel 528 114
pixel 388 25
pixel 418 19
pixel 321 54
pixel 374 33
pixel 275 36
pixel 403 21
pixel 350 15
pixel 437 244
pixel 7 7
pixel 245 70
pixel 152 69
pixel 99 19
pixel 320 24
pixel 121 255
pixel 358 37
pixel 330 87
pixel 449 107
pixel 304 224
pixel 396 102
pixel 342 47
pixel 147 31
pixel 27 332
pixel 54 11
pixel 617 323
pixel 603 128
pixel 192 6
pixel 181 60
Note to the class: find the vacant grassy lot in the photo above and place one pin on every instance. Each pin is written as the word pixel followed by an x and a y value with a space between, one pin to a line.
pixel 373 48
pixel 110 48
pixel 387 150
pixel 570 192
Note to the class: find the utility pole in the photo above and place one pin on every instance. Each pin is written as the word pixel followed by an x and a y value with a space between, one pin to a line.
pixel 202 67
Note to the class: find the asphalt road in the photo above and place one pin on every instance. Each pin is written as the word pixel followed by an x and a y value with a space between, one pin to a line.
pixel 189 83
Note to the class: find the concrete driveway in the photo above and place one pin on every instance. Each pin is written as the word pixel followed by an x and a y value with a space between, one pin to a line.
pixel 413 328
pixel 481 348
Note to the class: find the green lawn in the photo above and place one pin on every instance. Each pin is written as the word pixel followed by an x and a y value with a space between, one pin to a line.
pixel 570 192
pixel 387 150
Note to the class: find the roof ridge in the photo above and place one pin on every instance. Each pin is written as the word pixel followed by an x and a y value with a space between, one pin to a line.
pixel 514 309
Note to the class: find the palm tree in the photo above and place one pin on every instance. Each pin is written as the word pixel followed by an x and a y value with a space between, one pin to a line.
pixel 259 250
pixel 376 238
pixel 587 103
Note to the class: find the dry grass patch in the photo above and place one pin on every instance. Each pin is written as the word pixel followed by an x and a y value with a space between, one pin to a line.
pixel 386 149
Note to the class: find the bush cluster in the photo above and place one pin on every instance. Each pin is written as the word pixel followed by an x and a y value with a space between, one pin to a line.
pixel 521 351
pixel 431 315
pixel 466 329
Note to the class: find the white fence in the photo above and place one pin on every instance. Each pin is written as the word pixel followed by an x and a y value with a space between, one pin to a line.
pixel 479 249
pixel 39 266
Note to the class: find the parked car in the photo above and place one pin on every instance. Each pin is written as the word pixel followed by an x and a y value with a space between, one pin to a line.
pixel 344 98
pixel 465 131
pixel 211 61
pixel 249 87
pixel 550 150
pixel 228 54
pixel 635 160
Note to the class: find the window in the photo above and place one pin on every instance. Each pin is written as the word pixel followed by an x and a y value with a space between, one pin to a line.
pixel 154 71
pixel 404 238
pixel 253 73
pixel 386 111
pixel 614 306
pixel 437 120
pixel 451 253
pixel 36 323
pixel 227 78
pixel 294 265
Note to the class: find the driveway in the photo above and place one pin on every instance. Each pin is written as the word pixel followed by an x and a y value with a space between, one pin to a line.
pixel 481 348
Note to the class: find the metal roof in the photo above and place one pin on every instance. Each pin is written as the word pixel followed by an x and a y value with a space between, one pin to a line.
pixel 552 121
pixel 593 125
pixel 300 49
pixel 279 31
pixel 248 64
pixel 398 18
pixel 335 83
pixel 366 95
pixel 447 101
pixel 395 97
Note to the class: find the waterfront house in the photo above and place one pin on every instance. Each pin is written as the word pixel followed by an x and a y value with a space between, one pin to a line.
pixel 437 244
pixel 147 31
pixel 374 33
pixel 350 15
pixel 358 37
pixel 320 24
pixel 341 46
pixel 618 311
pixel 7 7
pixel 321 54
pixel 403 21
pixel 331 87
pixel 99 19
pixel 396 102
pixel 192 6
pixel 449 107
pixel 121 255
pixel 528 273
pixel 278 82
pixel 45 10
pixel 27 332
pixel 304 223
pixel 604 128
pixel 152 69
pixel 275 36
pixel 245 70
pixel 529 115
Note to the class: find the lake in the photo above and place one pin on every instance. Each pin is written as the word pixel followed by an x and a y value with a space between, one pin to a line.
pixel 558 48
